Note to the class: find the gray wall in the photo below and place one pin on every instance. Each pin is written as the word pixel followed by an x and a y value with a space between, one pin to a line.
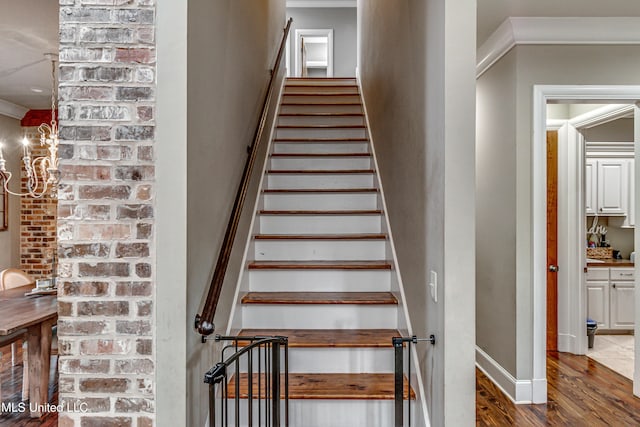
pixel 210 90
pixel 416 98
pixel 10 136
pixel 343 22
pixel 504 143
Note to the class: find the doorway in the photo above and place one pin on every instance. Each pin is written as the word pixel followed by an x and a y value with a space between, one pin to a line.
pixel 313 53
pixel 574 299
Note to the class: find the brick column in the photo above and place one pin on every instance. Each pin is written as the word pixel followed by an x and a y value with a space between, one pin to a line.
pixel 106 212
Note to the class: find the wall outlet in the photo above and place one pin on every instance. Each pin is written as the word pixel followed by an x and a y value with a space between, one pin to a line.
pixel 433 285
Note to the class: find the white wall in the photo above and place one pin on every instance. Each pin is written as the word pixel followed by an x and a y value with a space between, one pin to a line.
pixel 10 136
pixel 343 22
pixel 418 94
pixel 528 66
pixel 213 81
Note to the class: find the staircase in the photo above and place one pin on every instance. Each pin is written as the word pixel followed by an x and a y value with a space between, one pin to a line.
pixel 320 267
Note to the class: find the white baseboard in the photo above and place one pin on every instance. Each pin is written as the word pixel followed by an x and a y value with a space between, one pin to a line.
pixel 567 343
pixel 519 391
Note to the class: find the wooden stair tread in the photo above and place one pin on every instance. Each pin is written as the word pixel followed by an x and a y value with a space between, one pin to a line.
pixel 321 155
pixel 319 265
pixel 321 212
pixel 332 338
pixel 329 140
pixel 320 93
pixel 327 126
pixel 319 298
pixel 344 236
pixel 320 190
pixel 327 386
pixel 321 114
pixel 331 104
pixel 320 171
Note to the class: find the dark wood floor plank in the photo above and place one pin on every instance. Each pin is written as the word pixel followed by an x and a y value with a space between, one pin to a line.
pixel 581 392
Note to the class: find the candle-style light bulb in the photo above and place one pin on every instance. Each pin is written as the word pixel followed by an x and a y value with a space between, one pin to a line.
pixel 1 156
pixel 25 147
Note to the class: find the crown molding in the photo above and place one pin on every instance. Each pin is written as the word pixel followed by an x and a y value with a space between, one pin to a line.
pixel 12 110
pixel 320 3
pixel 555 30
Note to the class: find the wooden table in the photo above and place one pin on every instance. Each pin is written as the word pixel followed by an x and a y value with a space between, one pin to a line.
pixel 37 314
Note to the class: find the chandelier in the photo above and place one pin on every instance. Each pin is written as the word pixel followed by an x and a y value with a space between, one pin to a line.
pixel 42 174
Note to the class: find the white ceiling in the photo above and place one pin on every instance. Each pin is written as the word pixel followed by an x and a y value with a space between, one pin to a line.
pixel 29 29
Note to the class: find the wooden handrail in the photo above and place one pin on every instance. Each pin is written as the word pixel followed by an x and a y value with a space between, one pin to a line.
pixel 204 321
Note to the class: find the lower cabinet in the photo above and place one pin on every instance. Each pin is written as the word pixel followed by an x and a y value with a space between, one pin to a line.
pixel 610 299
pixel 622 313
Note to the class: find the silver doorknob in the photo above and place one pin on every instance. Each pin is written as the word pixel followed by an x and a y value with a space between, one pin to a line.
pixel 553 268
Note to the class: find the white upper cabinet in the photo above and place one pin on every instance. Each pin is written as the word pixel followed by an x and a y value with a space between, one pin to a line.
pixel 613 186
pixel 591 187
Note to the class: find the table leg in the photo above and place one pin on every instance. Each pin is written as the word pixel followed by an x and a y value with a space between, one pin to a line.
pixel 39 360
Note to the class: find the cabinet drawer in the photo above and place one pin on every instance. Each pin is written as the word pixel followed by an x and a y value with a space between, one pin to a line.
pixel 622 274
pixel 597 273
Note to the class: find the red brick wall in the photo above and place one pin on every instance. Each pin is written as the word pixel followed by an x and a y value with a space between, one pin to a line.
pixel 38 222
pixel 106 211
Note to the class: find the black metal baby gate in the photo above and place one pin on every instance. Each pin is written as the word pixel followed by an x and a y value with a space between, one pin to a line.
pixel 254 380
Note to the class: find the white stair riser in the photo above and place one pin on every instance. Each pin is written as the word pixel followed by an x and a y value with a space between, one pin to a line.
pixel 319 316
pixel 321 147
pixel 320 224
pixel 321 81
pixel 309 250
pixel 327 88
pixel 314 99
pixel 303 133
pixel 320 181
pixel 320 280
pixel 327 413
pixel 323 163
pixel 320 120
pixel 315 201
pixel 319 108
pixel 326 360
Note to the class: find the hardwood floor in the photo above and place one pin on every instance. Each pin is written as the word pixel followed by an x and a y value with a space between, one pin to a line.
pixel 11 378
pixel 582 392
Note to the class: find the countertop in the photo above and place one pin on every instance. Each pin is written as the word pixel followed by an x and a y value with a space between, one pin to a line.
pixel 611 263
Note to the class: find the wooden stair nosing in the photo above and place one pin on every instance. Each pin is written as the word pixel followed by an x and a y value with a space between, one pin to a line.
pixel 319 171
pixel 331 104
pixel 319 190
pixel 321 127
pixel 320 298
pixel 319 265
pixel 351 86
pixel 327 386
pixel 320 94
pixel 329 338
pixel 319 140
pixel 320 155
pixel 349 212
pixel 321 114
pixel 352 236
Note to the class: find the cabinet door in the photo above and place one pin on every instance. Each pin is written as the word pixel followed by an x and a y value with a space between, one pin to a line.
pixel 622 305
pixel 590 186
pixel 612 186
pixel 631 207
pixel 598 303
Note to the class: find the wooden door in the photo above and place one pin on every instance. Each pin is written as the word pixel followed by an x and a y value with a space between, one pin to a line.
pixel 552 240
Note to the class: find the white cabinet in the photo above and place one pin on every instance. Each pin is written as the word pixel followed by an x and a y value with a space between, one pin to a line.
pixel 598 303
pixel 610 297
pixel 613 183
pixel 622 305
pixel 630 220
pixel 591 187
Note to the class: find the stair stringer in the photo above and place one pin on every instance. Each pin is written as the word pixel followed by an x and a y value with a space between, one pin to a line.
pixel 234 323
pixel 397 286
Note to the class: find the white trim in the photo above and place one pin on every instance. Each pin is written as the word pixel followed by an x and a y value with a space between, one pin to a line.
pixel 555 30
pixel 602 115
pixel 541 95
pixel 320 3
pixel 518 391
pixel 12 110
pixel 636 132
